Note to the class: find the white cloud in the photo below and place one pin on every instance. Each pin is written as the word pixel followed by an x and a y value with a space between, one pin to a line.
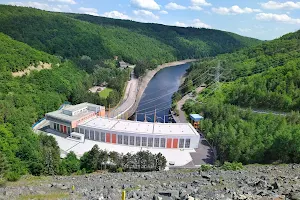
pixel 89 11
pixel 64 1
pixel 244 30
pixel 195 8
pixel 200 3
pixel 145 4
pixel 43 6
pixel 180 24
pixel 284 18
pixel 234 10
pixel 115 14
pixel 174 6
pixel 278 5
pixel 196 23
pixel 163 12
pixel 145 14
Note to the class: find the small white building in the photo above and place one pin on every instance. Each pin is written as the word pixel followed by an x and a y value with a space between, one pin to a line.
pixel 77 137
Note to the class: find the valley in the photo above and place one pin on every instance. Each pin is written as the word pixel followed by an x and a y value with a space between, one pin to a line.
pixel 60 138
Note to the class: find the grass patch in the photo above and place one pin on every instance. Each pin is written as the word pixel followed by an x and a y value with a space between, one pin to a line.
pixel 28 180
pixel 49 196
pixel 105 93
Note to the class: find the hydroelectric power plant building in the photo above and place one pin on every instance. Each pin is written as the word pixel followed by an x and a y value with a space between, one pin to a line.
pixel 88 122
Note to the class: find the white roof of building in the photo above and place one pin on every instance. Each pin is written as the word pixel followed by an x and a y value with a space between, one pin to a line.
pixel 58 114
pixel 73 108
pixel 127 126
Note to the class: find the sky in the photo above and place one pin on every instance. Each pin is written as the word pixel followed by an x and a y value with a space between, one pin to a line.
pixel 260 19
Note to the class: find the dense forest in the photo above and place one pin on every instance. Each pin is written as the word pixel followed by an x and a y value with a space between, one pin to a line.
pixel 265 77
pixel 132 41
pixel 9 48
pixel 188 42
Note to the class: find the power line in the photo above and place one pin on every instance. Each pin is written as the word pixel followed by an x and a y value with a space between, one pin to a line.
pixel 184 86
pixel 161 109
pixel 164 96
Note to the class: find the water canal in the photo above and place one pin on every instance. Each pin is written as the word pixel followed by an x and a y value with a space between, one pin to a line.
pixel 157 97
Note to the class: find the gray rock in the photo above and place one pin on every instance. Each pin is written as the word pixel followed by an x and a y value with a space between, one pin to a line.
pixel 295 196
pixel 169 193
pixel 275 185
pixel 206 176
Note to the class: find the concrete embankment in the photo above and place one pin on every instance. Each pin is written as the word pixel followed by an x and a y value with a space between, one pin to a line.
pixel 143 82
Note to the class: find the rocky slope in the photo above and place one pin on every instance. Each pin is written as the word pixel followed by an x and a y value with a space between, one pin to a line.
pixel 253 182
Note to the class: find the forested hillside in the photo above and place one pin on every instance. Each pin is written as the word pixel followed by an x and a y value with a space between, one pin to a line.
pixel 238 133
pixel 17 56
pixel 61 34
pixel 188 42
pixel 276 88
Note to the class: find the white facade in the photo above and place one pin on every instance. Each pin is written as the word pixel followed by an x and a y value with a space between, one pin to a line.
pixel 141 134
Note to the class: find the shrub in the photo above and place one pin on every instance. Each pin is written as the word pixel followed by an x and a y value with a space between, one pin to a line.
pixel 205 168
pixel 13 176
pixel 232 166
pixel 36 169
pixel 120 169
pixel 2 182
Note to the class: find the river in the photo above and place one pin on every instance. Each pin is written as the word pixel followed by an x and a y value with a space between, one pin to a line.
pixel 158 94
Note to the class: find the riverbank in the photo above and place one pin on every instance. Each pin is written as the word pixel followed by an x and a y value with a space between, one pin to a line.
pixel 129 106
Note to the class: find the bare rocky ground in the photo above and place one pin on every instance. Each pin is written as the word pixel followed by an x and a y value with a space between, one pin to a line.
pixel 253 182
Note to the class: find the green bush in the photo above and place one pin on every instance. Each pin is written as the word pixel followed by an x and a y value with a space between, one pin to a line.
pixel 232 166
pixel 36 169
pixel 2 182
pixel 120 169
pixel 205 168
pixel 13 176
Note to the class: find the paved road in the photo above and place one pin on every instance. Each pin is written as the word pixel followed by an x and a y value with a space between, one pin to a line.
pixel 182 118
pixel 128 101
pixel 204 155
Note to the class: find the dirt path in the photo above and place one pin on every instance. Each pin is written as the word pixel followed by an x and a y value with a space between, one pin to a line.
pixel 27 71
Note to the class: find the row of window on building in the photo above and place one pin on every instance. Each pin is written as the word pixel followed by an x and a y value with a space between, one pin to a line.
pixel 135 140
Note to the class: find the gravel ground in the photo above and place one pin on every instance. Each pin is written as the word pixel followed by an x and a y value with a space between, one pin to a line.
pixel 254 182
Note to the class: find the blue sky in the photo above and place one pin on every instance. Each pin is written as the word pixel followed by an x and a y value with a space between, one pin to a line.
pixel 261 19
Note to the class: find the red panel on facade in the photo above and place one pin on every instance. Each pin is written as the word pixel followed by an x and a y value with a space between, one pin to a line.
pixel 169 143
pixel 65 129
pixel 61 128
pixel 108 137
pixel 113 138
pixel 175 143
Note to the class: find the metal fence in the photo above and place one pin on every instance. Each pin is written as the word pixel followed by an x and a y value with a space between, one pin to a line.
pixel 40 120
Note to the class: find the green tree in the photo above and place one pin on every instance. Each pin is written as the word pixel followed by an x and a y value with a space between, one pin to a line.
pixel 70 163
pixel 3 165
pixel 89 160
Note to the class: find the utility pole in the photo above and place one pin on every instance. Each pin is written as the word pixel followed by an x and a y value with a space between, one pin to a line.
pixel 217 74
